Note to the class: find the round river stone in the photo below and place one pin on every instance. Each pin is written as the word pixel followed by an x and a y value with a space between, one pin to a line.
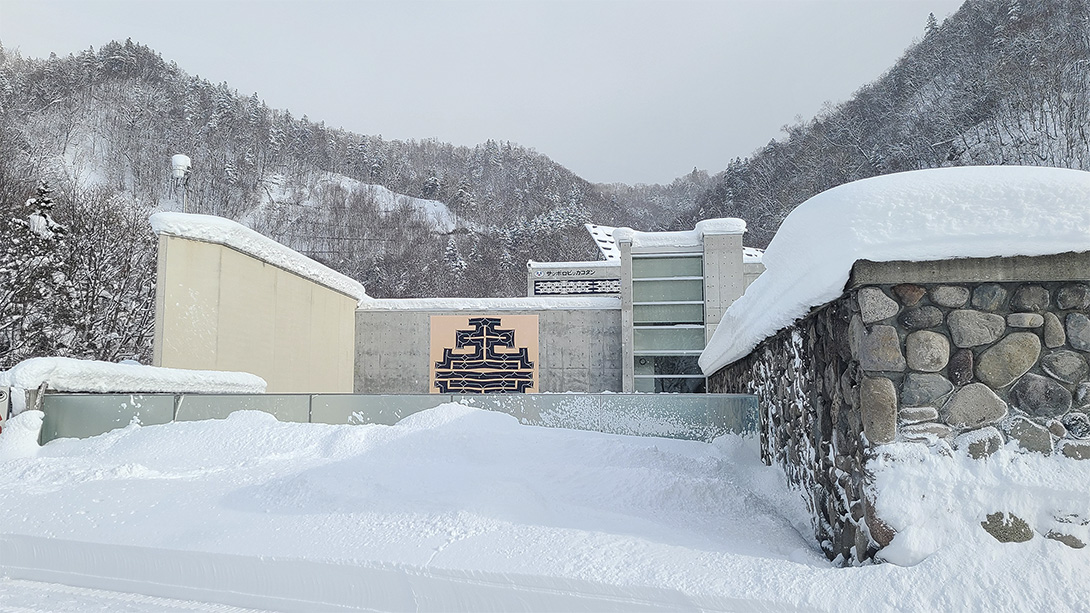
pixel 1054 331
pixel 1078 331
pixel 960 367
pixel 1008 359
pixel 989 297
pixel 973 406
pixel 1065 365
pixel 875 305
pixel 922 389
pixel 951 296
pixel 969 328
pixel 1040 396
pixel 921 317
pixel 927 351
pixel 1073 296
pixel 1030 298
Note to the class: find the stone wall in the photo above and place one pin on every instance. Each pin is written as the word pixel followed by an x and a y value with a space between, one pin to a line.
pixel 947 361
pixel 808 387
pixel 974 366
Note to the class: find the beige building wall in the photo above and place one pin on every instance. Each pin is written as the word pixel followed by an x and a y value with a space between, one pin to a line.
pixel 220 309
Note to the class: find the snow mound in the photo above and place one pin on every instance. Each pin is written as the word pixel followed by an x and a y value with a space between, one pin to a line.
pixel 937 500
pixel 221 231
pixel 19 438
pixel 71 375
pixel 921 215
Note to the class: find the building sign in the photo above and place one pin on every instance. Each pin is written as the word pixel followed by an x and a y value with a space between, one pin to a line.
pixel 477 355
pixel 595 278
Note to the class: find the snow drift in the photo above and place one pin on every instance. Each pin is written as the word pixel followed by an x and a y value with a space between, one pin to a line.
pixel 461 509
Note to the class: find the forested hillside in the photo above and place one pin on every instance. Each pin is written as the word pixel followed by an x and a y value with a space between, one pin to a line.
pixel 91 136
pixel 998 82
pixel 85 142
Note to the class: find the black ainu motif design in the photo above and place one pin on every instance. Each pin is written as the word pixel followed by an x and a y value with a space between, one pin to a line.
pixel 494 364
pixel 583 286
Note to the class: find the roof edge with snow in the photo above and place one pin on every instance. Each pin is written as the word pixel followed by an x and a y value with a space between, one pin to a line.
pixel 575 264
pixel 683 238
pixel 529 303
pixel 222 231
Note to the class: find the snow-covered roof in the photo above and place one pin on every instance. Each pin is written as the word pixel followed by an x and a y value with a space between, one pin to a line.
pixel 921 215
pixel 603 237
pixel 211 229
pixel 752 255
pixel 684 238
pixel 71 375
pixel 530 303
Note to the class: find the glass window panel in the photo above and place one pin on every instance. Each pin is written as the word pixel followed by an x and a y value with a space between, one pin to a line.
pixel 679 386
pixel 643 268
pixel 667 339
pixel 660 291
pixel 676 365
pixel 668 313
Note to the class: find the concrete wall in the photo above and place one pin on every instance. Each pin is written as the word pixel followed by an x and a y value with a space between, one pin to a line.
pixel 752 271
pixel 724 277
pixel 578 349
pixel 700 417
pixel 966 356
pixel 220 309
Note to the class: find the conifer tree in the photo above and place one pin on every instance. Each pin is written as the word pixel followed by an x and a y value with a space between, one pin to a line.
pixel 32 280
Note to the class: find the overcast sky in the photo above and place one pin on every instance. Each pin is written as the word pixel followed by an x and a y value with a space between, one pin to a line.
pixel 632 91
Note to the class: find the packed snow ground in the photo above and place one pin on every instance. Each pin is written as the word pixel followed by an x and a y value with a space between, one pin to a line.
pixel 461 509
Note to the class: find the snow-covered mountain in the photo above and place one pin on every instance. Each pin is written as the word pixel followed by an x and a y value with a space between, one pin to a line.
pixel 1000 81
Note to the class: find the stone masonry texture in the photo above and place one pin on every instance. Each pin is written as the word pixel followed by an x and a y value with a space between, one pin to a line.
pixel 969 367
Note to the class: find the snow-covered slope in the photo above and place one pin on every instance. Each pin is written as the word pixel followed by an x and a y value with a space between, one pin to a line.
pixel 278 189
pixel 916 216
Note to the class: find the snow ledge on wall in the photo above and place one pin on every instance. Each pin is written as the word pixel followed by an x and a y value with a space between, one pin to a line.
pixel 71 375
pixel 684 238
pixel 922 215
pixel 529 303
pixel 221 231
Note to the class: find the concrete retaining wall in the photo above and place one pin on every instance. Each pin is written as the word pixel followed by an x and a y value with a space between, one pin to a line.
pixel 686 416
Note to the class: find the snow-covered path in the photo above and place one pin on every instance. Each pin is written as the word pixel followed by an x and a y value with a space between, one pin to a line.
pixel 462 509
